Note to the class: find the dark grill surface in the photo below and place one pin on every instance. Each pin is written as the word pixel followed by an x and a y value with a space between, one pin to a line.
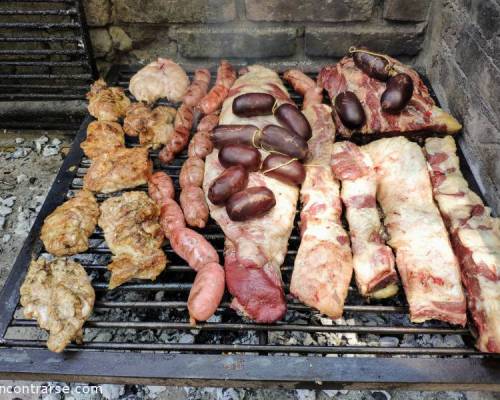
pixel 148 319
pixel 45 52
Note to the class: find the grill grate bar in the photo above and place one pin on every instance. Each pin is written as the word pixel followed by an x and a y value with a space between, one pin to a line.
pixel 39 12
pixel 39 25
pixel 241 348
pixel 381 330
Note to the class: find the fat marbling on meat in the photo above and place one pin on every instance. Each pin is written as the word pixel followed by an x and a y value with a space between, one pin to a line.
pixel 373 261
pixel 425 260
pixel 255 249
pixel 475 235
pixel 323 265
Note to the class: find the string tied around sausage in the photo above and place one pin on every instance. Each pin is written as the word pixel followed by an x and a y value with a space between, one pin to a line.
pixel 259 146
pixel 275 106
pixel 280 166
pixel 388 68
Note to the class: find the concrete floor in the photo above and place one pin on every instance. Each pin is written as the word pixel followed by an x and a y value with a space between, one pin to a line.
pixel 28 164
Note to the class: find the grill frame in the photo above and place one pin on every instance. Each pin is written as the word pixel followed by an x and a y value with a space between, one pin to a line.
pixel 121 363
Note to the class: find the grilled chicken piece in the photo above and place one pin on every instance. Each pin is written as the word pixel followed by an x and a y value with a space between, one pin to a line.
pixel 66 231
pixel 103 137
pixel 107 103
pixel 161 78
pixel 153 126
pixel 122 169
pixel 133 234
pixel 58 294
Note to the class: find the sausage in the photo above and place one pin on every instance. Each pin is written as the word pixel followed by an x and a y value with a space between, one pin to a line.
pixel 193 248
pixel 208 123
pixel 350 110
pixel 291 118
pixel 284 169
pixel 373 66
pixel 192 172
pixel 180 138
pixel 198 88
pixel 206 292
pixel 234 134
pixel 253 104
pixel 240 154
pixel 200 145
pixel 250 203
pixel 230 181
pixel 161 187
pixel 276 138
pixel 171 217
pixel 300 82
pixel 194 206
pixel 226 76
pixel 397 94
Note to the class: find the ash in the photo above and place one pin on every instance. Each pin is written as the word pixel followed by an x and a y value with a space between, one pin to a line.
pixel 28 165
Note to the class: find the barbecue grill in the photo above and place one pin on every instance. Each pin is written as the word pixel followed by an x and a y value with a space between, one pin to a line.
pixel 226 350
pixel 304 350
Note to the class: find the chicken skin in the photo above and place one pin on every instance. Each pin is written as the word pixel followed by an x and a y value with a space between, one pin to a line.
pixel 107 103
pixel 122 169
pixel 153 126
pixel 66 231
pixel 133 234
pixel 58 294
pixel 103 137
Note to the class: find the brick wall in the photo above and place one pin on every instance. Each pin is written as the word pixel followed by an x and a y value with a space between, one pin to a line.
pixel 461 54
pixel 305 31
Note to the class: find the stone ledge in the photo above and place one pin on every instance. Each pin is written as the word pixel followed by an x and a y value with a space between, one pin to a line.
pixel 314 11
pixel 335 41
pixel 235 42
pixel 404 10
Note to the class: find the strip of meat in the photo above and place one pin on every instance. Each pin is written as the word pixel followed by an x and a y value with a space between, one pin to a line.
pixel 255 249
pixel 67 229
pixel 122 169
pixel 208 287
pixel 475 236
pixel 226 75
pixel 194 206
pixel 373 260
pixel 421 114
pixel 428 268
pixel 198 89
pixel 323 265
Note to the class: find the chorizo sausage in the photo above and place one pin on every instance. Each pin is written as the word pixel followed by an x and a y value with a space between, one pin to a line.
pixel 226 75
pixel 194 206
pixel 192 172
pixel 161 187
pixel 201 145
pixel 206 292
pixel 208 123
pixel 198 88
pixel 193 248
pixel 171 217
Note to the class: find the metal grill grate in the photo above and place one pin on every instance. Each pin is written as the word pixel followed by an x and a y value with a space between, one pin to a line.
pixel 45 51
pixel 302 350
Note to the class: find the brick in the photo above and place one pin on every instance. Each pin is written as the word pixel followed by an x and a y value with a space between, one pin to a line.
pixel 97 12
pixel 486 14
pixel 335 41
pixel 174 11
pixel 317 11
pixel 480 70
pixel 404 10
pixel 235 42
